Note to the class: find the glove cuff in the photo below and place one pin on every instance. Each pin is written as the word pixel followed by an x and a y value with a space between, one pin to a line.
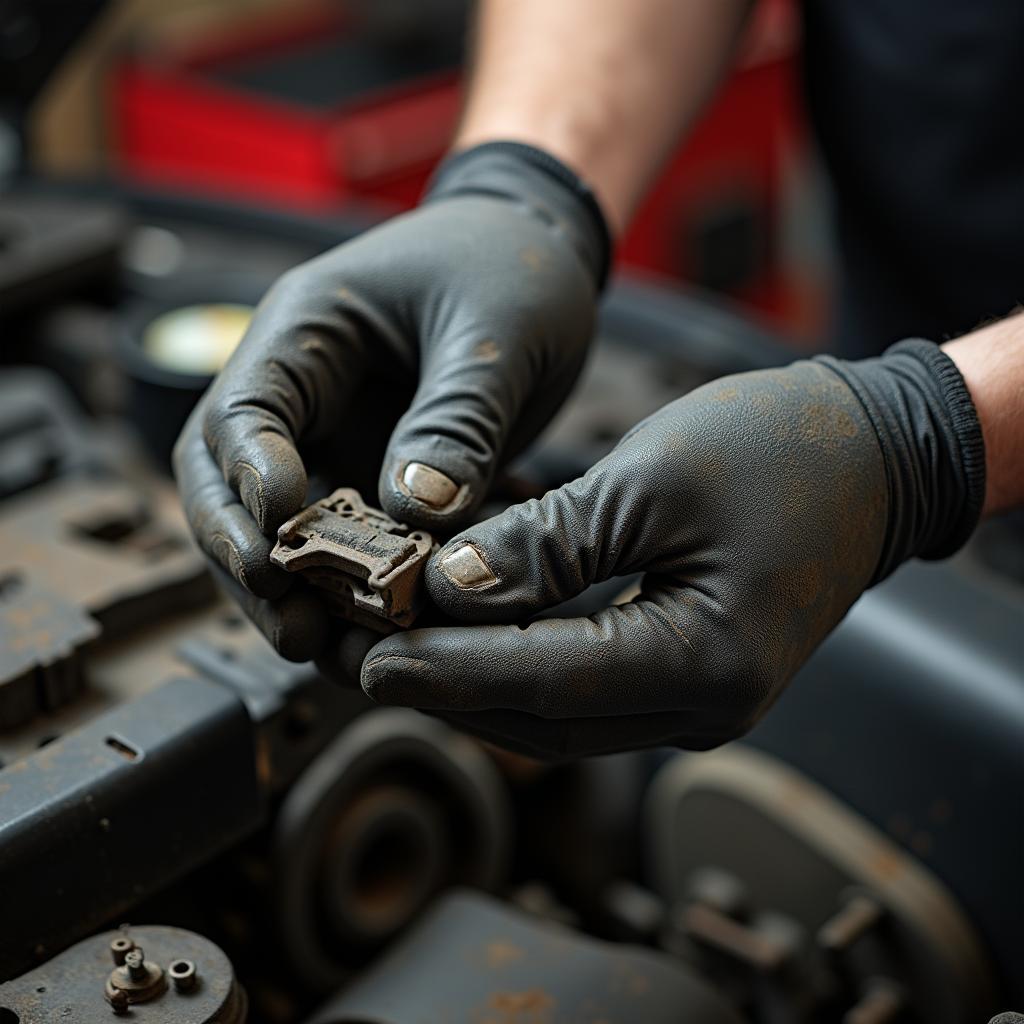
pixel 932 446
pixel 533 176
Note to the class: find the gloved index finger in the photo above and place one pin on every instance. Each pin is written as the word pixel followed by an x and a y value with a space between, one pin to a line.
pixel 224 529
pixel 289 378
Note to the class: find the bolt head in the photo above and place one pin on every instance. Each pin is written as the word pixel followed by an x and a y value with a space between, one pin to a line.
pixel 183 974
pixel 120 948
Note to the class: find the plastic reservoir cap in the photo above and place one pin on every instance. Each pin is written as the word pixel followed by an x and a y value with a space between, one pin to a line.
pixel 196 340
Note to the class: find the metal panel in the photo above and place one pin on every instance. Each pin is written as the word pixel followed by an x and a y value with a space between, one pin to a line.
pixel 473 959
pixel 95 821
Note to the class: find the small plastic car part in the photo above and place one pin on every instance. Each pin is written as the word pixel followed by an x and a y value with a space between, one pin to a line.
pixel 368 565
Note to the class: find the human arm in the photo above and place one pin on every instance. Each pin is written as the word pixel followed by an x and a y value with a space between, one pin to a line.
pixel 606 86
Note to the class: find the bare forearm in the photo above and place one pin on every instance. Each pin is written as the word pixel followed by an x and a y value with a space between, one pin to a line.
pixel 992 363
pixel 607 86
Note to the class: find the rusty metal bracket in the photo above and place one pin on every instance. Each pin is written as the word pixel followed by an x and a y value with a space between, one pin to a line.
pixel 368 565
pixel 119 552
pixel 42 636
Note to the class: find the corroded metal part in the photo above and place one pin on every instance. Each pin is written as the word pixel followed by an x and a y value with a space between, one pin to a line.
pixel 368 565
pixel 78 986
pixel 140 980
pixel 42 636
pixel 80 557
pixel 119 552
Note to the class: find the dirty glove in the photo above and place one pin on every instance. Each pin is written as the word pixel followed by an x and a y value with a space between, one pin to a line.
pixel 478 307
pixel 759 506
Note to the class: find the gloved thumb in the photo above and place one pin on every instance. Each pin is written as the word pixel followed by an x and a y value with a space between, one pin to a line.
pixel 529 558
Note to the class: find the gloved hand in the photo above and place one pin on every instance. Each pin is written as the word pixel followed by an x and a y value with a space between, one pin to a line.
pixel 759 506
pixel 481 302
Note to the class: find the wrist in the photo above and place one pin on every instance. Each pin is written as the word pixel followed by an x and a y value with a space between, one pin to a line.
pixel 540 180
pixel 932 448
pixel 577 149
pixel 991 362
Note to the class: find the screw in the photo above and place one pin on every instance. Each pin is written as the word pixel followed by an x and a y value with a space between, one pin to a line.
pixel 120 948
pixel 183 974
pixel 743 944
pixel 136 963
pixel 855 918
pixel 119 1001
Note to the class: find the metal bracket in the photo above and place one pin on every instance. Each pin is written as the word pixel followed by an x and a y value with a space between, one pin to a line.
pixel 368 565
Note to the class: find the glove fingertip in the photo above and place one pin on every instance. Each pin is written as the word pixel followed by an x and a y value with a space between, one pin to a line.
pixel 425 495
pixel 460 576
pixel 273 485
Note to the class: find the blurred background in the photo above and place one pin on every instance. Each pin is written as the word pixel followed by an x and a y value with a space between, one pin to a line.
pixel 314 105
pixel 857 859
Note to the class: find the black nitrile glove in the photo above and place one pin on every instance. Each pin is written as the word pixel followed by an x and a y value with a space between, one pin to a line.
pixel 760 507
pixel 480 304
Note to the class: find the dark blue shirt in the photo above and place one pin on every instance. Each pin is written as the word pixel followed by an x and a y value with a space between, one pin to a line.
pixel 917 106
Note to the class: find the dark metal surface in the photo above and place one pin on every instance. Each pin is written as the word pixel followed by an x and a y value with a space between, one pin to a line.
pixel 122 555
pixel 147 723
pixel 295 711
pixel 42 435
pixel 367 564
pixel 913 713
pixel 472 959
pixel 117 808
pixel 83 985
pixel 396 809
pixel 41 637
pixel 830 905
pixel 689 326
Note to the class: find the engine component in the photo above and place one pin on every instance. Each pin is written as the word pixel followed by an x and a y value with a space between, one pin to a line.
pixel 397 808
pixel 107 813
pixel 368 565
pixel 77 556
pixel 295 710
pixel 42 436
pixel 41 637
pixel 150 973
pixel 108 621
pixel 583 820
pixel 925 679
pixel 473 958
pixel 123 557
pixel 804 897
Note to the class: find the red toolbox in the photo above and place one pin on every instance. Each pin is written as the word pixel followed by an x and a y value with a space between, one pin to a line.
pixel 303 113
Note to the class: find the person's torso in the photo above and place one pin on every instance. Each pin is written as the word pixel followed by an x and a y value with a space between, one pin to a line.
pixel 917 108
